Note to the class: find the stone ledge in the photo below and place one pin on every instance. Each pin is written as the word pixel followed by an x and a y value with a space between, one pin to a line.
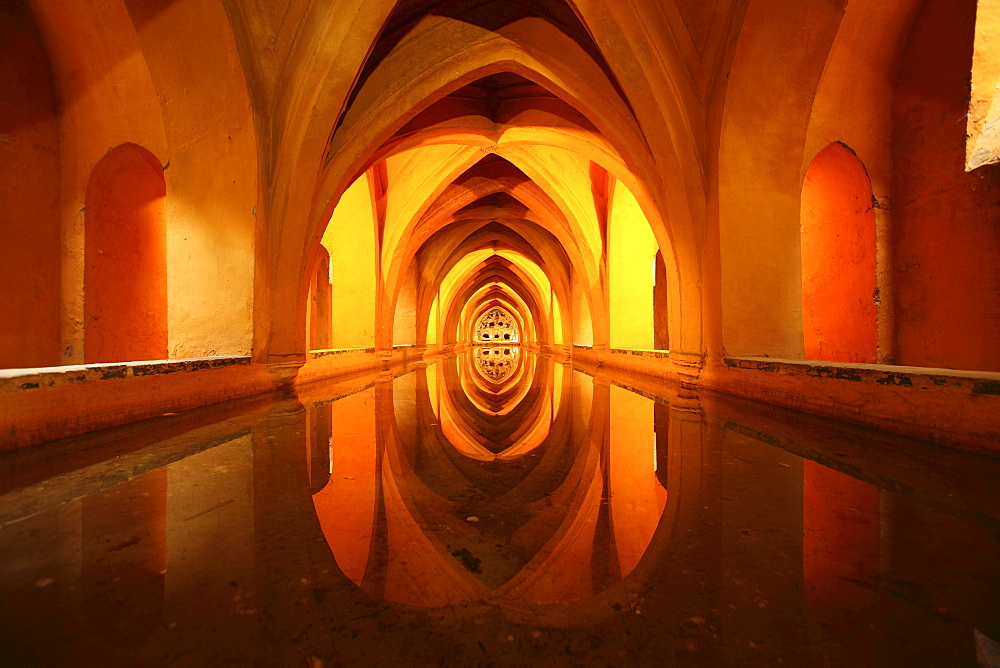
pixel 18 380
pixel 635 352
pixel 39 405
pixel 319 354
pixel 918 378
pixel 326 364
pixel 959 409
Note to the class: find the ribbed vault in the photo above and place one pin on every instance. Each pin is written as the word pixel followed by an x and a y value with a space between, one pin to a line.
pixel 490 126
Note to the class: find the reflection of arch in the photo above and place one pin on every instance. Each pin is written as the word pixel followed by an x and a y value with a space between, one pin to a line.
pixel 125 277
pixel 319 440
pixel 838 259
pixel 497 364
pixel 576 515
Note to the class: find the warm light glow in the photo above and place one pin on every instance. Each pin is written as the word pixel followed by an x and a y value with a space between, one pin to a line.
pixel 983 130
pixel 497 324
pixel 632 248
pixel 350 240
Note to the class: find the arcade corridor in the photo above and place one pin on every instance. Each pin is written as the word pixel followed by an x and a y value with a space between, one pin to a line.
pixel 499 331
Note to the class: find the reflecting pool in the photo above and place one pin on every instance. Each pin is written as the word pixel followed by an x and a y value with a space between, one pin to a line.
pixel 497 507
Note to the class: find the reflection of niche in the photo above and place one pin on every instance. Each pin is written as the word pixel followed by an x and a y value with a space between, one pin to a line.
pixel 497 364
pixel 497 325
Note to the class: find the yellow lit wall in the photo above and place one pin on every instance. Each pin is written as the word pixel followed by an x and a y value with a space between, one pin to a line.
pixel 557 324
pixel 432 321
pixel 350 238
pixel 632 248
pixel 583 326
pixel 404 324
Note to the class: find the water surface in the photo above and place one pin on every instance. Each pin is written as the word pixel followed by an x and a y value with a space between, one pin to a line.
pixel 497 508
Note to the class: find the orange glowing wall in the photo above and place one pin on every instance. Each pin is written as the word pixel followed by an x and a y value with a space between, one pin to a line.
pixel 29 172
pixel 125 279
pixel 838 259
pixel 945 220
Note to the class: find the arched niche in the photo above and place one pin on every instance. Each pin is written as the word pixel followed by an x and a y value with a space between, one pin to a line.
pixel 661 301
pixel 321 303
pixel 125 274
pixel 839 315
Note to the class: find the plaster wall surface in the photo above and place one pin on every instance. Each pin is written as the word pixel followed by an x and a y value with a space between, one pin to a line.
pixel 947 220
pixel 212 187
pixel 29 224
pixel 583 326
pixel 321 304
pixel 760 173
pixel 853 105
pixel 404 323
pixel 94 118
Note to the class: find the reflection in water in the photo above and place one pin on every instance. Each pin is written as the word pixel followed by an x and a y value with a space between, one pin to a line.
pixel 515 496
pixel 521 496
pixel 430 516
pixel 497 364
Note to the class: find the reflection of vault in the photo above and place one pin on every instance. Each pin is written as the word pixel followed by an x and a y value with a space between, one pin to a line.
pixel 487 422
pixel 497 324
pixel 497 364
pixel 572 526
